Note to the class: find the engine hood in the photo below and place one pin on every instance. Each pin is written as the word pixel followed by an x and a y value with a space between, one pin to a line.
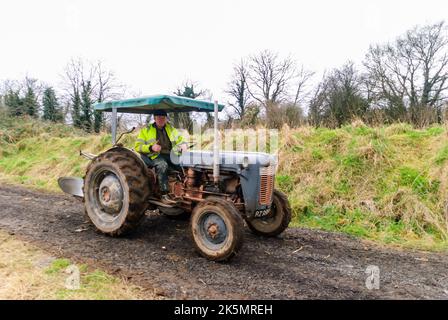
pixel 228 158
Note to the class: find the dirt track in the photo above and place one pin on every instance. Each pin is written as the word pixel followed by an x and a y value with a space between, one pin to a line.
pixel 301 264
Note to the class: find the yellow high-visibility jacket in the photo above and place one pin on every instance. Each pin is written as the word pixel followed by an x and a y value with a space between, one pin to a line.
pixel 148 137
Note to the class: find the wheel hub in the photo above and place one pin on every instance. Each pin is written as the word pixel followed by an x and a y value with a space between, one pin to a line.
pixel 214 229
pixel 105 194
pixel 111 194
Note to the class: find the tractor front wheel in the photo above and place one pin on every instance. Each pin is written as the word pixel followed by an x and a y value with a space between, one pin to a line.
pixel 278 219
pixel 217 229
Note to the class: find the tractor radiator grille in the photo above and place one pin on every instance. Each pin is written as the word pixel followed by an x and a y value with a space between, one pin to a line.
pixel 267 175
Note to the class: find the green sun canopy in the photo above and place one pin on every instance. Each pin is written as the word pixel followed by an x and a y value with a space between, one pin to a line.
pixel 149 104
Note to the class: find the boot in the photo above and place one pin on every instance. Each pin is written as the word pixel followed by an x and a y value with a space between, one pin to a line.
pixel 166 199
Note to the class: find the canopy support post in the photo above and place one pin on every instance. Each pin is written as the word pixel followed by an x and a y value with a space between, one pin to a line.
pixel 114 126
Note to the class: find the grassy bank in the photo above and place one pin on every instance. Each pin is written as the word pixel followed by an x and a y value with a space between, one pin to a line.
pixel 387 184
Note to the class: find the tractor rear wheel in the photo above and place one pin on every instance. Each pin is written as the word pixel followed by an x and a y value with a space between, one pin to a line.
pixel 116 188
pixel 217 229
pixel 277 221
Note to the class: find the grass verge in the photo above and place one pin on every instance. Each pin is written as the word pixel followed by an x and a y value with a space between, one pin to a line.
pixel 27 272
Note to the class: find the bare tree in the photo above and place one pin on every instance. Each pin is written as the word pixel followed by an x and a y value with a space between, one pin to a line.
pixel 269 77
pixel 73 82
pixel 106 85
pixel 317 103
pixel 410 74
pixel 387 76
pixel 237 88
pixel 82 76
pixel 301 79
pixel 430 50
pixel 35 84
pixel 9 85
pixel 338 98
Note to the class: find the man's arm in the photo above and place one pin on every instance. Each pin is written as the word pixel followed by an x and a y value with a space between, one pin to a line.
pixel 142 144
pixel 179 140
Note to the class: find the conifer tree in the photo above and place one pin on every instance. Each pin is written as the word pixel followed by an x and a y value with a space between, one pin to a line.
pixel 51 108
pixel 30 104
pixel 76 110
pixel 97 121
pixel 86 106
pixel 14 103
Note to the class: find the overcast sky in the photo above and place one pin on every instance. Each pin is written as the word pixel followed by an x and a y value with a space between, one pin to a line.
pixel 153 46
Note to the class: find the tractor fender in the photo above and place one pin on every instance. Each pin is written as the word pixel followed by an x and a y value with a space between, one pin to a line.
pixel 137 156
pixel 74 185
pixel 128 151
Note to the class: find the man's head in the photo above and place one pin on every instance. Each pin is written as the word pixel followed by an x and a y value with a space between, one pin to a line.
pixel 160 118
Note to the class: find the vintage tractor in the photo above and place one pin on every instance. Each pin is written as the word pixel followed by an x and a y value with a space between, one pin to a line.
pixel 218 190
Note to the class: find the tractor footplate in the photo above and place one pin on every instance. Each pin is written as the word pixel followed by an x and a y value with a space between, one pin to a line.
pixel 160 203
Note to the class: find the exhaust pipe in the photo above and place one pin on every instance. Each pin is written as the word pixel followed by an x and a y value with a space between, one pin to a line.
pixel 216 148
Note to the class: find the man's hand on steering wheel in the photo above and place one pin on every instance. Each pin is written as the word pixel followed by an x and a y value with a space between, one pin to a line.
pixel 183 147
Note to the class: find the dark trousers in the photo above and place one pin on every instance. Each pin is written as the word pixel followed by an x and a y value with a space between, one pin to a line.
pixel 161 164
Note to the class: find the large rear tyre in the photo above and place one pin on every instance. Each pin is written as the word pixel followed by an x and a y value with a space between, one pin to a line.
pixel 217 229
pixel 116 188
pixel 277 221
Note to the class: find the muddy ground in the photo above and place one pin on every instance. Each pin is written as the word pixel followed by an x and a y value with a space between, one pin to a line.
pixel 159 256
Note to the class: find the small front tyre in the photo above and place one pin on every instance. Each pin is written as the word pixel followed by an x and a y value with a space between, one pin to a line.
pixel 277 221
pixel 217 229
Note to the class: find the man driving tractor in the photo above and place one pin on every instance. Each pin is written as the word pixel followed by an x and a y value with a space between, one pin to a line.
pixel 155 143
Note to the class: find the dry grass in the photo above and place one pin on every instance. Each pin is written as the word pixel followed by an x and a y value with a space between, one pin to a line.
pixel 29 273
pixel 388 184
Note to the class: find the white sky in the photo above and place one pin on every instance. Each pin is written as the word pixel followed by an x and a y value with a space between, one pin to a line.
pixel 153 46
